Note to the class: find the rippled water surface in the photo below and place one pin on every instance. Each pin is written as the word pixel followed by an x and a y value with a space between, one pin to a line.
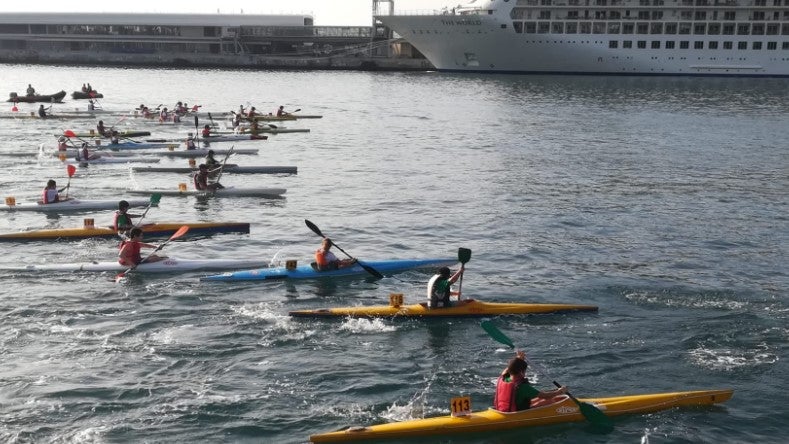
pixel 662 201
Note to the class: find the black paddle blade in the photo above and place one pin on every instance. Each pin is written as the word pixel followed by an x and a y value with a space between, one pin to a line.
pixel 464 255
pixel 314 228
pixel 371 270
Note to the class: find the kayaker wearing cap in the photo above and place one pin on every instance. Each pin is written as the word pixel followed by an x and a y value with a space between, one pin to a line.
pixel 206 131
pixel 513 390
pixel 439 287
pixel 201 180
pixel 129 252
pixel 122 221
pixel 326 260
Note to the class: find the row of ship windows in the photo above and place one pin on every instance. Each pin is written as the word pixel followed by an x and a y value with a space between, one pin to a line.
pixel 648 3
pixel 650 28
pixel 684 44
pixel 725 16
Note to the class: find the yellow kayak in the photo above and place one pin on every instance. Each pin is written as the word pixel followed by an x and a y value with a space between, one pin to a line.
pixel 464 308
pixel 563 409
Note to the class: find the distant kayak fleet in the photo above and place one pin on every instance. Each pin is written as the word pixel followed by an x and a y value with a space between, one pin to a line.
pixel 135 148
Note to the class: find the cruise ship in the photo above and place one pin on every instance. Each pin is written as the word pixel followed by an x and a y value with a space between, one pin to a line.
pixel 612 37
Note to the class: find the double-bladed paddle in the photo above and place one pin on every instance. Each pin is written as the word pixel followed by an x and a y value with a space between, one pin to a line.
pixel 224 162
pixel 181 231
pixel 366 267
pixel 592 414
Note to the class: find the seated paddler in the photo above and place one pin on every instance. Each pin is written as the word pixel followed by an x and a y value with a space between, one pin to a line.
pixel 439 287
pixel 326 260
pixel 515 393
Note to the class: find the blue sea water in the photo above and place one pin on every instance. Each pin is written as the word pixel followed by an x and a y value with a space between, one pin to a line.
pixel 662 201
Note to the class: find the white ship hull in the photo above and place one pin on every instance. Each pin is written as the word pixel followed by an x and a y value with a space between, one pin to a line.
pixel 489 42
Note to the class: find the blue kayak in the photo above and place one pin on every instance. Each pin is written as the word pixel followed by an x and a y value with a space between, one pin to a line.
pixel 308 272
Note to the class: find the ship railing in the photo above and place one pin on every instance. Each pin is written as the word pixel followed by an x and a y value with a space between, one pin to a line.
pixel 458 10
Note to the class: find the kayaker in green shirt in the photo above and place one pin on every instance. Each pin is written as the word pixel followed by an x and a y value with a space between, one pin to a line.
pixel 439 287
pixel 513 391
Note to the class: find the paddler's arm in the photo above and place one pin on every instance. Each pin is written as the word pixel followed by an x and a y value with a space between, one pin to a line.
pixel 551 393
pixel 454 279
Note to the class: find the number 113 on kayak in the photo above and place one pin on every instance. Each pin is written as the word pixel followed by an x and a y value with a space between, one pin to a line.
pixel 460 406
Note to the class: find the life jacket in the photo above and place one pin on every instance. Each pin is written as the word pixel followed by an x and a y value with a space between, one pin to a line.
pixel 135 252
pixel 433 295
pixel 504 401
pixel 50 195
pixel 322 260
pixel 431 285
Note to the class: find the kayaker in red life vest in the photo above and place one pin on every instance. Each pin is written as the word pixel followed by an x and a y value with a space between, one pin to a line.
pixel 51 193
pixel 326 260
pixel 129 253
pixel 513 391
pixel 439 287
pixel 201 180
pixel 206 131
pixel 122 220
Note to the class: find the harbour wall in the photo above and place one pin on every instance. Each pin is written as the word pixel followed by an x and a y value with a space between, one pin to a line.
pixel 246 61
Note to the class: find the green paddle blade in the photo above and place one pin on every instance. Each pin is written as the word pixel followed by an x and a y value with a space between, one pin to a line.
pixel 595 416
pixel 464 255
pixel 496 334
pixel 155 198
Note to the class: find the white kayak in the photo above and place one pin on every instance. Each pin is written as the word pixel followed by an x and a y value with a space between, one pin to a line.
pixel 229 168
pixel 169 265
pixel 222 192
pixel 72 205
pixel 108 160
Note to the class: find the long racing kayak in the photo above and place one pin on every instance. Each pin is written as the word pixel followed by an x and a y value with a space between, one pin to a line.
pixel 561 410
pixel 229 168
pixel 464 308
pixel 202 152
pixel 222 192
pixel 93 133
pixel 72 205
pixel 152 230
pixel 169 265
pixel 308 272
